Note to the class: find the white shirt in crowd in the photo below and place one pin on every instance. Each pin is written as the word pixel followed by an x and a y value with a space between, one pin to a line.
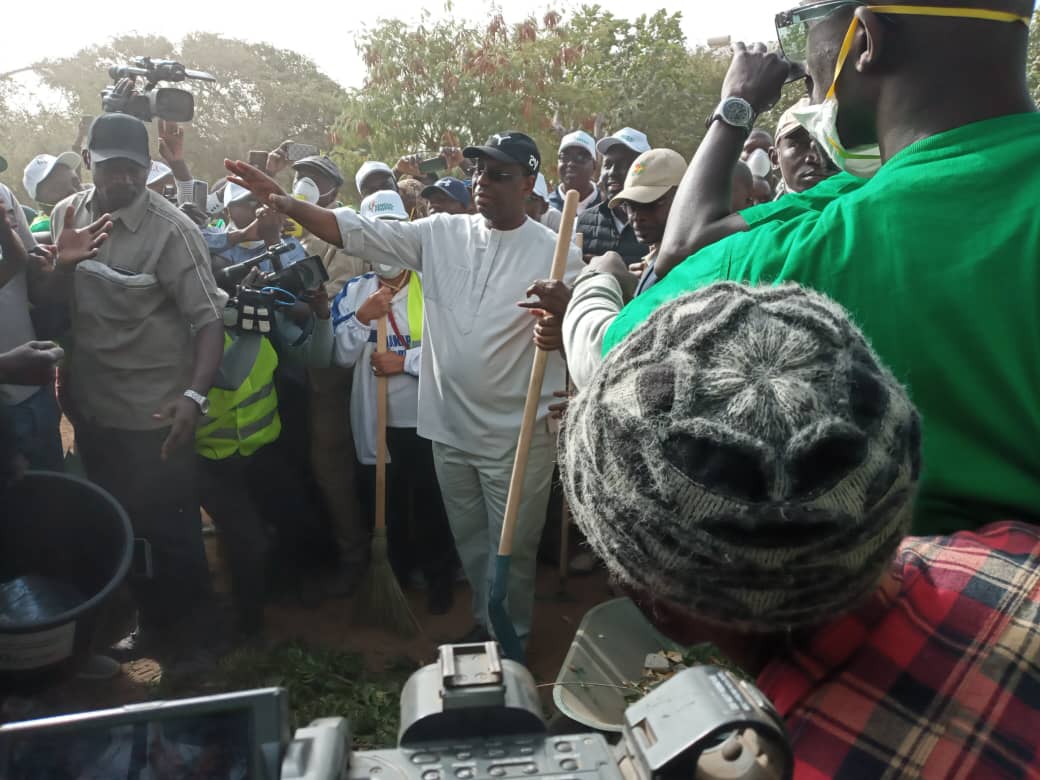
pixel 594 306
pixel 478 347
pixel 16 326
pixel 355 344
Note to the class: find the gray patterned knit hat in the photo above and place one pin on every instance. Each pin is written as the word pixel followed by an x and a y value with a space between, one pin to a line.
pixel 744 454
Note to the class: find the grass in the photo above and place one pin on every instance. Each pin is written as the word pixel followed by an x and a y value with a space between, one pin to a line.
pixel 322 682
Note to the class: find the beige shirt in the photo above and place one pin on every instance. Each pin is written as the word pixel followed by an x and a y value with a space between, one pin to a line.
pixel 135 308
pixel 340 266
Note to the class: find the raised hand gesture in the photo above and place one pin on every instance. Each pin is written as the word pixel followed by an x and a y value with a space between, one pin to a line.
pixel 78 244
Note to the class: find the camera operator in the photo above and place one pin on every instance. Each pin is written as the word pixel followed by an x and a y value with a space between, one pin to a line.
pixel 246 485
pixel 331 444
pixel 147 323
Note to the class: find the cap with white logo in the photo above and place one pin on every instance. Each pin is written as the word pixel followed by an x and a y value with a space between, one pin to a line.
pixel 41 166
pixel 509 147
pixel 385 204
pixel 581 140
pixel 633 139
pixel 367 169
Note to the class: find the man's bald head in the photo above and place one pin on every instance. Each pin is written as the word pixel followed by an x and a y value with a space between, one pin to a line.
pixel 743 187
pixel 951 70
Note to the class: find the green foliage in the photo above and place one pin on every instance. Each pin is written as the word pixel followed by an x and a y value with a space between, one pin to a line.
pixel 458 81
pixel 262 96
pixel 321 683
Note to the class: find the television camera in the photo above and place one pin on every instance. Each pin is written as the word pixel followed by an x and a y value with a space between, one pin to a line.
pixel 470 715
pixel 170 103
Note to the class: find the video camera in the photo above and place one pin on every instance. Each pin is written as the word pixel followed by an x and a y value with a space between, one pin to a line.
pixel 176 105
pixel 253 307
pixel 470 715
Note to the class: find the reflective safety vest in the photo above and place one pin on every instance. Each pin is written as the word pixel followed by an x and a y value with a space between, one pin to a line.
pixel 415 308
pixel 243 404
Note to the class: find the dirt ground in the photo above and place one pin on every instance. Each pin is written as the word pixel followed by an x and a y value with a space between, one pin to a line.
pixel 557 615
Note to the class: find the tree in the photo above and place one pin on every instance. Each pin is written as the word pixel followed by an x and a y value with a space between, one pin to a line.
pixel 458 81
pixel 262 96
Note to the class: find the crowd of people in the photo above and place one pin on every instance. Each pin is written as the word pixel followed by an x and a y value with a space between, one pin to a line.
pixel 804 422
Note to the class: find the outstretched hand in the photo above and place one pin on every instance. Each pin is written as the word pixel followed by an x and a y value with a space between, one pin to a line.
pixel 266 190
pixel 78 244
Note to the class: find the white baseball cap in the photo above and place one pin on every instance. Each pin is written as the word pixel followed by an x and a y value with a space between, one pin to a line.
pixel 580 139
pixel 40 167
pixel 630 137
pixel 370 167
pixel 385 204
pixel 233 193
pixel 159 170
pixel 541 188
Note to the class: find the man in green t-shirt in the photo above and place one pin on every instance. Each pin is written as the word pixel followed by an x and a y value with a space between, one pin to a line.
pixel 935 256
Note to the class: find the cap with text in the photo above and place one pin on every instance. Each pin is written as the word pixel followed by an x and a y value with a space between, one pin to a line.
pixel 626 136
pixel 450 186
pixel 509 147
pixel 367 169
pixel 118 137
pixel 42 165
pixel 385 204
pixel 652 174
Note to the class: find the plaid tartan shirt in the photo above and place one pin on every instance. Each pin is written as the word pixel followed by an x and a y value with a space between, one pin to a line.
pixel 938 675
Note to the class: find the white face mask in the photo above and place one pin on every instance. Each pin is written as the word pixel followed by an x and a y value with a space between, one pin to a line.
pixel 759 163
pixel 386 271
pixel 305 189
pixel 822 123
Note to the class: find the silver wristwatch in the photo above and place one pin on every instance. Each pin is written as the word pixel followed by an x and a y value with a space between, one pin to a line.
pixel 736 112
pixel 198 398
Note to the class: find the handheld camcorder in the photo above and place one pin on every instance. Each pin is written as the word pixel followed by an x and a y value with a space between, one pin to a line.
pixel 252 308
pixel 472 715
pixel 170 103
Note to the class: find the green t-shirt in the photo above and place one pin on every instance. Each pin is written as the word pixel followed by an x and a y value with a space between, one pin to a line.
pixel 794 204
pixel 936 258
pixel 41 223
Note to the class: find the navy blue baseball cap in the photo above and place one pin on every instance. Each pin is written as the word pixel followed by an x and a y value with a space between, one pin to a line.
pixel 450 186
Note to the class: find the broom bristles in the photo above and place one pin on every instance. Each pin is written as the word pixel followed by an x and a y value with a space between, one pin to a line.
pixel 380 600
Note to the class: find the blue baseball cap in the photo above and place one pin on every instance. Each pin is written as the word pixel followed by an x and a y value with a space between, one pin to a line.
pixel 450 186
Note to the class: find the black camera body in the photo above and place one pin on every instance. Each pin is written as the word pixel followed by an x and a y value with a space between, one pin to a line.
pixel 170 103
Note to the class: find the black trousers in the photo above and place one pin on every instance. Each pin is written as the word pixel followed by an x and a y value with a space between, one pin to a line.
pixel 259 504
pixel 426 543
pixel 161 498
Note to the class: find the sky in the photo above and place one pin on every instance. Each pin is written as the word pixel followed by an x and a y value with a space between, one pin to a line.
pixel 327 36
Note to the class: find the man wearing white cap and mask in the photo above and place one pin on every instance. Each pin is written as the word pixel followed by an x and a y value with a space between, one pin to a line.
pixel 374 176
pixel 240 208
pixel 576 167
pixel 606 229
pixel 397 294
pixel 49 179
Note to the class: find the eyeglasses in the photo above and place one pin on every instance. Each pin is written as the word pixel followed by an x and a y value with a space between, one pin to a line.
pixel 498 176
pixel 792 27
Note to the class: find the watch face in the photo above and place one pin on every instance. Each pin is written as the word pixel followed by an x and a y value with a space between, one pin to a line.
pixel 736 112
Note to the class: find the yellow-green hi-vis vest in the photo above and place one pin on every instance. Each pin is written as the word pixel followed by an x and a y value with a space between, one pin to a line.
pixel 243 404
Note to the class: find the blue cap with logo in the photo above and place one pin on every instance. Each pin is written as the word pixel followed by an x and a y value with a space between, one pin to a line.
pixel 450 186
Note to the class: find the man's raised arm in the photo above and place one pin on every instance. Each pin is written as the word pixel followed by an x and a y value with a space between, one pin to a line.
pixel 701 213
pixel 375 240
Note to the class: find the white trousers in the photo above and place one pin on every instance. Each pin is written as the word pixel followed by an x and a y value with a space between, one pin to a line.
pixel 474 488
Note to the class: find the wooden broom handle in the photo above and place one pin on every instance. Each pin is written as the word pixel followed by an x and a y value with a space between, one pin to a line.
pixel 534 387
pixel 381 430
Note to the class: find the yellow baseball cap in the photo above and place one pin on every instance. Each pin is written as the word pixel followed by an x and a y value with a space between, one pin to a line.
pixel 652 174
